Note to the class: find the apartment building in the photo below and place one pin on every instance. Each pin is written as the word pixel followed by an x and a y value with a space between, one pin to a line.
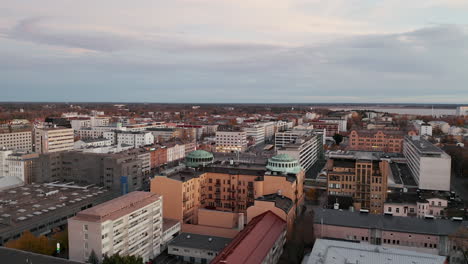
pixel 16 140
pixel 429 165
pixel 135 139
pixel 119 172
pixel 175 151
pixel 425 130
pixel 289 136
pixel 165 134
pixel 231 141
pixel 92 143
pixel 362 178
pixel 47 140
pixel 93 121
pixel 340 120
pixel 256 133
pixel 261 241
pixel 430 236
pixel 158 156
pixel 196 248
pixel 378 140
pixel 421 204
pixel 330 128
pixel 128 225
pixel 462 111
pixel 249 189
pixel 270 129
pixel 307 149
pixel 17 164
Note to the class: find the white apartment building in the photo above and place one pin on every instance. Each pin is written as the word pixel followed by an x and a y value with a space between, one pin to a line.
pixel 257 132
pixel 429 165
pixel 128 225
pixel 20 140
pixel 283 126
pixel 231 141
pixel 80 123
pixel 175 152
pixel 306 149
pixel 421 208
pixel 94 142
pixel 289 136
pixel 270 129
pixel 135 139
pixel 442 125
pixel 92 121
pixel 341 121
pixel 195 248
pixel 53 139
pixel 462 111
pixel 425 130
pixel 17 164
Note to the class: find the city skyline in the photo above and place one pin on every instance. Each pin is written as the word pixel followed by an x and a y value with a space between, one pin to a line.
pixel 199 51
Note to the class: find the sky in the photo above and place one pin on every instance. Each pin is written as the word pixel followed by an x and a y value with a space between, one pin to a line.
pixel 230 51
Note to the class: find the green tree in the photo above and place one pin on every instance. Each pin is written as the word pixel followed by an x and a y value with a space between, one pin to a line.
pixel 93 259
pixel 117 259
pixel 338 138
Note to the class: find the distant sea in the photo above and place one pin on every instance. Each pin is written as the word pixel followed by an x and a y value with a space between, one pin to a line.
pixel 403 110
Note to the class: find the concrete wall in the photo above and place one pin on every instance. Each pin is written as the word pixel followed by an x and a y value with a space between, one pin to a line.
pixel 435 173
pixel 217 218
pixel 209 230
pixel 77 240
pixel 171 191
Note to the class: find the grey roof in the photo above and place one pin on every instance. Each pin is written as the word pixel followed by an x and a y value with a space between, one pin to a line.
pixel 402 174
pixel 424 146
pixel 340 252
pixel 388 223
pixel 9 255
pixel 281 202
pixel 189 240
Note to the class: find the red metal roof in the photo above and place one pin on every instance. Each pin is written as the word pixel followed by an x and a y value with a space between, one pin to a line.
pixel 253 243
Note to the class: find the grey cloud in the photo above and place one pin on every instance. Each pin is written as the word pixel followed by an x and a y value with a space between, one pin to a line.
pixel 384 65
pixel 32 30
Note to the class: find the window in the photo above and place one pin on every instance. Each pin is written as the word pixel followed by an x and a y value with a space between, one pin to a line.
pixel 397 210
pixel 85 227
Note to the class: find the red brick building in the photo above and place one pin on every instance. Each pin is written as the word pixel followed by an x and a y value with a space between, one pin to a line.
pixel 330 128
pixel 158 156
pixel 378 140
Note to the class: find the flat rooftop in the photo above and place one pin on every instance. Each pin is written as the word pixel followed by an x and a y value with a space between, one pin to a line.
pixel 196 241
pixel 281 202
pixel 340 252
pixel 402 174
pixel 168 223
pixel 117 207
pixel 424 146
pixel 388 223
pixel 30 203
pixel 13 256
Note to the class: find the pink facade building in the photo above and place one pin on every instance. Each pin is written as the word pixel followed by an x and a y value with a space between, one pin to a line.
pixel 421 235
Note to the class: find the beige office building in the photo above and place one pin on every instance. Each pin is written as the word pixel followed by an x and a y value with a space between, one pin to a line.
pixel 53 139
pixel 16 140
pixel 128 225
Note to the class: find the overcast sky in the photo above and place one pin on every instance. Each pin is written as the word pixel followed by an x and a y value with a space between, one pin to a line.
pixel 234 50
